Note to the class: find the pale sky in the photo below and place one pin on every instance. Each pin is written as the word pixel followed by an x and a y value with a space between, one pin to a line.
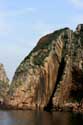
pixel 23 22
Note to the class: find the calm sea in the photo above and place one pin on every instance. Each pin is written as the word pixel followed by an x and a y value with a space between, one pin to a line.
pixel 39 118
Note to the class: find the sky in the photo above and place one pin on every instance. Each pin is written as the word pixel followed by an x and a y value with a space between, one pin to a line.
pixel 24 22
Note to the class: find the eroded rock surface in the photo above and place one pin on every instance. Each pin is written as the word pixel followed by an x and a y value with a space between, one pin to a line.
pixel 4 83
pixel 69 90
pixel 52 72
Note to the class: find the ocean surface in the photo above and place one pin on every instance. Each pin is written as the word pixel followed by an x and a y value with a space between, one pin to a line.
pixel 40 118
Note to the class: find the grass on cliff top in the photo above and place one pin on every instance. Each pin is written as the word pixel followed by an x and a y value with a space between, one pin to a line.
pixel 40 52
pixel 45 43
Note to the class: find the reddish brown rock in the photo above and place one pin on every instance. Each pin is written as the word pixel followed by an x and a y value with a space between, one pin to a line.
pixel 70 87
pixel 51 74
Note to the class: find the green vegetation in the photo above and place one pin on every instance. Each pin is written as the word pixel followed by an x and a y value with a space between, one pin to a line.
pixel 74 100
pixel 41 51
pixel 3 88
pixel 39 58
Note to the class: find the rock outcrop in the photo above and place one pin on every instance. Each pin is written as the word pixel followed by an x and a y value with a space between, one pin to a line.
pixel 4 83
pixel 51 74
pixel 69 92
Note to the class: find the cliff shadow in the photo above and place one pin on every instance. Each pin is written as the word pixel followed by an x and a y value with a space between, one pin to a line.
pixel 59 76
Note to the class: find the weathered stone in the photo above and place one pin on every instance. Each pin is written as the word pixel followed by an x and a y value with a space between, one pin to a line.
pixel 51 74
pixel 4 86
pixel 3 76
pixel 70 87
pixel 79 28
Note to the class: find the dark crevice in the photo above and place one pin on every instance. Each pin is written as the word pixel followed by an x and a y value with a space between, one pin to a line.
pixel 76 94
pixel 60 72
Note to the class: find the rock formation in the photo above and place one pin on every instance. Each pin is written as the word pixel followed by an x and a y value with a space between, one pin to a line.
pixel 3 83
pixel 69 92
pixel 51 74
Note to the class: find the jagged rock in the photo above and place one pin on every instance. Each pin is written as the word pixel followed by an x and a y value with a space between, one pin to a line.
pixel 79 28
pixel 3 76
pixel 70 87
pixel 3 83
pixel 52 72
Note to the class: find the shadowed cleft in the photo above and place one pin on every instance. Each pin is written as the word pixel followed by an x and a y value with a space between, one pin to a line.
pixel 59 77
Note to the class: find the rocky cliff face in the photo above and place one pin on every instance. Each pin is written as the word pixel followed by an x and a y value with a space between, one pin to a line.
pixel 51 74
pixel 3 76
pixel 3 83
pixel 69 92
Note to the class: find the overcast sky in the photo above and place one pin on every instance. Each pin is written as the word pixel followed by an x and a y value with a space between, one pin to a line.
pixel 23 22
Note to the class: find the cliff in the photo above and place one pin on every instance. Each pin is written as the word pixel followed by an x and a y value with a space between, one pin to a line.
pixel 3 83
pixel 52 74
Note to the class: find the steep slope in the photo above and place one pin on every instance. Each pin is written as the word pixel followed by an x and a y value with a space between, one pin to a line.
pixel 35 78
pixel 52 74
pixel 3 83
pixel 3 76
pixel 69 92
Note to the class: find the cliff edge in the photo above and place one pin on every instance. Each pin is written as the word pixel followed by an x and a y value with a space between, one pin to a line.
pixel 52 74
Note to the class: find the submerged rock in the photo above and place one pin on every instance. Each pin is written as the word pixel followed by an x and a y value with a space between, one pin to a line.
pixel 52 74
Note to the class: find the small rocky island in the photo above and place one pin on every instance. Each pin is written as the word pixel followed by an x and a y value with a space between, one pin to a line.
pixel 51 76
